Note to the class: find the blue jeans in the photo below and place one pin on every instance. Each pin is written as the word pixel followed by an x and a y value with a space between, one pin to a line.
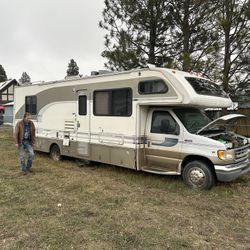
pixel 26 145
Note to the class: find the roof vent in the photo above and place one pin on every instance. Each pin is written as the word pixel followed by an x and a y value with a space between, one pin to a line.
pixel 100 72
pixel 72 77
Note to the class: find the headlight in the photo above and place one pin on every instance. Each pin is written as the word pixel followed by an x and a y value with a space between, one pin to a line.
pixel 225 154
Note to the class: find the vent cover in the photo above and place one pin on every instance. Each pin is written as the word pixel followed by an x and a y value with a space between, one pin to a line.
pixel 69 125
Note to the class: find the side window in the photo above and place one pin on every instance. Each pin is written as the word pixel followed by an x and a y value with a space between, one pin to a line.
pixel 31 104
pixel 101 102
pixel 82 105
pixel 164 123
pixel 115 102
pixel 156 86
pixel 121 102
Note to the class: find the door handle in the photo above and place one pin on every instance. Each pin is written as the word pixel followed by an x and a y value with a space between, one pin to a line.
pixel 148 143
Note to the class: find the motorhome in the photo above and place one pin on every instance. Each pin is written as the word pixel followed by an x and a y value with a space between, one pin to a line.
pixel 149 119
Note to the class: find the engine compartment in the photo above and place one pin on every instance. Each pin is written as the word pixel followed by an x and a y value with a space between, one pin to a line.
pixel 230 139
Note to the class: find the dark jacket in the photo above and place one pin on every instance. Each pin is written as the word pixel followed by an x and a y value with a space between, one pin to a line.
pixel 19 130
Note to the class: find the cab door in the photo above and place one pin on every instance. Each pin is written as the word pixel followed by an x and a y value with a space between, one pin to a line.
pixel 163 142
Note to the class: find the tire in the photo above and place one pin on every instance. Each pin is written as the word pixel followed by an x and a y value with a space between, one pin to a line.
pixel 198 175
pixel 55 153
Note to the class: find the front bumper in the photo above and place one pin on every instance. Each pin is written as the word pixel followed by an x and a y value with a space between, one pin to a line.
pixel 232 172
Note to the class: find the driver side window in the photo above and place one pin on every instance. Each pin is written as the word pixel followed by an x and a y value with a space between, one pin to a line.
pixel 164 123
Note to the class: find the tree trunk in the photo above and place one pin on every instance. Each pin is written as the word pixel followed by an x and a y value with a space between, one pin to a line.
pixel 227 26
pixel 152 35
pixel 186 38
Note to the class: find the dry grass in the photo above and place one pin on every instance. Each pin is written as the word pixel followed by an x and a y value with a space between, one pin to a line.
pixel 106 207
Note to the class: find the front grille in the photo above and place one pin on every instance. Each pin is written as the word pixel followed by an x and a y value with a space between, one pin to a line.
pixel 242 152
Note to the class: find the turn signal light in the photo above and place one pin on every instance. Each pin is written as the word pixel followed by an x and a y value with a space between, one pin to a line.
pixel 225 154
pixel 221 154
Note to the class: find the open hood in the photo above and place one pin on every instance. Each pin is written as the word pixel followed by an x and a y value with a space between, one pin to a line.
pixel 222 121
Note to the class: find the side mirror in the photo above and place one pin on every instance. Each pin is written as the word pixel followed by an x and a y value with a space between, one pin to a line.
pixel 177 130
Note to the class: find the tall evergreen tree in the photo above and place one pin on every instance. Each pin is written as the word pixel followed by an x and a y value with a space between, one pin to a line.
pixel 25 79
pixel 234 25
pixel 163 32
pixel 193 35
pixel 211 37
pixel 137 32
pixel 73 69
pixel 3 76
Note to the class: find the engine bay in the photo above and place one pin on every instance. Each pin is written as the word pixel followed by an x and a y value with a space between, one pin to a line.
pixel 230 139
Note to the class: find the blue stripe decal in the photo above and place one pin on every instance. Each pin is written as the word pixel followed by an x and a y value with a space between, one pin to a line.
pixel 169 142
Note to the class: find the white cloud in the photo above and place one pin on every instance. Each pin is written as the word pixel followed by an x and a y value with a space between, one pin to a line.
pixel 41 36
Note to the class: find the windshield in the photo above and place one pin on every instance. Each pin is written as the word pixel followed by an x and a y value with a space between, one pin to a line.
pixel 206 87
pixel 193 119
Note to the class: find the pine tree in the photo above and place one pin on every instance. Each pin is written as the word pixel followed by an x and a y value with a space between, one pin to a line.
pixel 73 69
pixel 137 32
pixel 25 79
pixel 234 24
pixel 193 35
pixel 3 76
pixel 209 37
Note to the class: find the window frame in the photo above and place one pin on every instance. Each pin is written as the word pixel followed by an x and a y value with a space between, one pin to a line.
pixel 152 93
pixel 110 101
pixel 85 102
pixel 177 129
pixel 29 110
pixel 195 84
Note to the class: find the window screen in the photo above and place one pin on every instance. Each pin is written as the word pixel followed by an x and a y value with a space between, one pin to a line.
pixel 152 87
pixel 82 105
pixel 31 104
pixel 115 102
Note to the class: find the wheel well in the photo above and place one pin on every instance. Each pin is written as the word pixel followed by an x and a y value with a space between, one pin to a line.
pixel 53 144
pixel 199 158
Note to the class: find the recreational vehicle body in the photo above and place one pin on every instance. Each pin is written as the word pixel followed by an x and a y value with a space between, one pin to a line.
pixel 146 119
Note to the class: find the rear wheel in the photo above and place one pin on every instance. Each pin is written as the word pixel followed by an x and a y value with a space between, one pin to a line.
pixel 198 175
pixel 55 153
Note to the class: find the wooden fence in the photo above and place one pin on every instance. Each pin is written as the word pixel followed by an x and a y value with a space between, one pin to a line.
pixel 243 126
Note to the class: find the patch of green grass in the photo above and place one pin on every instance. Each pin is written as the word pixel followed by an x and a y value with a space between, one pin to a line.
pixel 63 206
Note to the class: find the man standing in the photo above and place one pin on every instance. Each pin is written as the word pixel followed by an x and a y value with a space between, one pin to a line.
pixel 25 139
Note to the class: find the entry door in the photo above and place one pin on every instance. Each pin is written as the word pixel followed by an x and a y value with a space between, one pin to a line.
pixel 83 123
pixel 162 147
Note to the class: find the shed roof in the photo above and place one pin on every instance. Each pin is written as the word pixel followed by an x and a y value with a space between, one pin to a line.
pixel 4 85
pixel 9 104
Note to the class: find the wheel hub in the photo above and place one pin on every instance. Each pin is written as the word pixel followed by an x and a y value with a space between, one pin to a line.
pixel 197 176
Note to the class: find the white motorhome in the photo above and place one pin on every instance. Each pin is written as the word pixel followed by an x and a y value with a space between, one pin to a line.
pixel 145 119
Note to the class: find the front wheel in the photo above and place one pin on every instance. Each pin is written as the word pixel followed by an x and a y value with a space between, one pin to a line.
pixel 55 153
pixel 198 175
